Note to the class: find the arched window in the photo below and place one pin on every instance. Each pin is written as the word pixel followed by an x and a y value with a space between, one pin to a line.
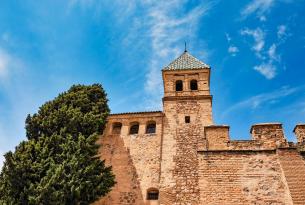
pixel 152 194
pixel 194 85
pixel 179 85
pixel 151 128
pixel 134 128
pixel 116 128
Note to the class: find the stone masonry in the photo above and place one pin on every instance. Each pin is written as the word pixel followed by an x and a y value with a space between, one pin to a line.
pixel 178 156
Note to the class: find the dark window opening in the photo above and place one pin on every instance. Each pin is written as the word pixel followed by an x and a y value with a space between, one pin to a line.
pixel 194 85
pixel 187 119
pixel 179 85
pixel 134 129
pixel 151 128
pixel 116 128
pixel 153 194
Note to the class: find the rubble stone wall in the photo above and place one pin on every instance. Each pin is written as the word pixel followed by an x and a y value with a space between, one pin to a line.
pixel 179 166
pixel 241 177
pixel 135 159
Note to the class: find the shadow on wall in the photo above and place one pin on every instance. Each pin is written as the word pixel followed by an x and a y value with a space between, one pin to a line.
pixel 127 190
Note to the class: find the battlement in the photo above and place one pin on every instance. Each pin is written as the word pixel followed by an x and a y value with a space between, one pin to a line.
pixel 299 131
pixel 265 136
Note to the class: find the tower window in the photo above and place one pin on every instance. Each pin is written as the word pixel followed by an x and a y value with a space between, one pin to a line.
pixel 153 194
pixel 134 129
pixel 194 85
pixel 179 85
pixel 187 119
pixel 116 128
pixel 151 128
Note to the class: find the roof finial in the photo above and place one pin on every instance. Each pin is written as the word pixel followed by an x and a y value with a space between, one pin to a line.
pixel 185 46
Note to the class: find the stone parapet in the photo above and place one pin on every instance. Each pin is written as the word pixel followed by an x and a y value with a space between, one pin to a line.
pixel 299 132
pixel 217 137
pixel 271 134
pixel 266 136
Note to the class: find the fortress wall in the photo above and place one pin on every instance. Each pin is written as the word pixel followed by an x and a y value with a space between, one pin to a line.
pixel 135 159
pixel 268 136
pixel 241 177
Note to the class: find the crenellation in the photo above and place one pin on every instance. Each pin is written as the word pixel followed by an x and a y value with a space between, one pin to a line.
pixel 178 156
pixel 271 134
pixel 217 137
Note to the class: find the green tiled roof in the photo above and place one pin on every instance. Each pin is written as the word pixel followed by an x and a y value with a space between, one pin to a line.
pixel 186 61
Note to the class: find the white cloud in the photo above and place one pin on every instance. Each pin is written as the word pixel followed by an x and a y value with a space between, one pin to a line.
pixel 259 39
pixel 281 30
pixel 169 28
pixel 4 63
pixel 268 56
pixel 273 56
pixel 233 50
pixel 165 25
pixel 282 33
pixel 266 69
pixel 258 7
pixel 265 98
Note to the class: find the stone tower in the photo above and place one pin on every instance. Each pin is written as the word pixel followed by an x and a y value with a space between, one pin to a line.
pixel 187 107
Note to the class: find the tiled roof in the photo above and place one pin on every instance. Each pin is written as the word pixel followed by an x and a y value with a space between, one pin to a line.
pixel 186 61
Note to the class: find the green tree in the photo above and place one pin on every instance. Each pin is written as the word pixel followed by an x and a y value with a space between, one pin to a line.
pixel 59 163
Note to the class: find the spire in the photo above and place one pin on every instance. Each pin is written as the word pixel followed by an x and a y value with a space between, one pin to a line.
pixel 185 47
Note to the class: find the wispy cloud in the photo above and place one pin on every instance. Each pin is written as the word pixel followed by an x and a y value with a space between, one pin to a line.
pixel 5 60
pixel 269 58
pixel 273 56
pixel 266 69
pixel 259 39
pixel 233 50
pixel 264 98
pixel 258 7
pixel 169 27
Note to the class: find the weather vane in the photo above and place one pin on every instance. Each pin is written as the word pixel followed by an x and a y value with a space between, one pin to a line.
pixel 185 46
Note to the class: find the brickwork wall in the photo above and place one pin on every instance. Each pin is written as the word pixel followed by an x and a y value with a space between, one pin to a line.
pixel 293 167
pixel 299 131
pixel 268 136
pixel 135 159
pixel 241 177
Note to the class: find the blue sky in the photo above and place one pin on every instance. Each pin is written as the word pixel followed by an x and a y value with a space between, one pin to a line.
pixel 255 48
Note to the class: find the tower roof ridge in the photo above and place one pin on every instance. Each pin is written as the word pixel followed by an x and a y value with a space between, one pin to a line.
pixel 186 61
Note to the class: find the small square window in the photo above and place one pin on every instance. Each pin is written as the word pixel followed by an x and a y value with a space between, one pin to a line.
pixel 187 119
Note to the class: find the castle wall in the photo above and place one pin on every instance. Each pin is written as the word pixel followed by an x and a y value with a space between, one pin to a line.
pixel 135 159
pixel 266 169
pixel 241 177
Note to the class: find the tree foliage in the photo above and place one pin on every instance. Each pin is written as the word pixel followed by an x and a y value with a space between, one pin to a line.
pixel 59 163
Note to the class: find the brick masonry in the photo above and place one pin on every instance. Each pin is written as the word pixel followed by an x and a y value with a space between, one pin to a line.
pixel 196 162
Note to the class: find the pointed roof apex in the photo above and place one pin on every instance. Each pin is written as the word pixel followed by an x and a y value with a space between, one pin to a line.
pixel 185 62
